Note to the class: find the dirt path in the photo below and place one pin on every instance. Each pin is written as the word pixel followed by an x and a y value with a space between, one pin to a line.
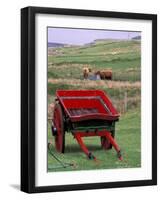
pixel 100 83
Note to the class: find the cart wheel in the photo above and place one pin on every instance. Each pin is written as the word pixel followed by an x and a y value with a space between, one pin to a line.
pixel 105 143
pixel 59 124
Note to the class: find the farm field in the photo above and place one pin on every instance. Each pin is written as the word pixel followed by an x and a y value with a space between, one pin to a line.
pixel 123 57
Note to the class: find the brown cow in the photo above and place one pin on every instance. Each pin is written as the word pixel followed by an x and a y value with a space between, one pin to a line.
pixel 105 74
pixel 86 72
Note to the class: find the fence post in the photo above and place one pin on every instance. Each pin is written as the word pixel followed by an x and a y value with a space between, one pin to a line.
pixel 125 101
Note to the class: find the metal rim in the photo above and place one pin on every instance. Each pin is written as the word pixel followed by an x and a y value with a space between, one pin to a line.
pixel 59 124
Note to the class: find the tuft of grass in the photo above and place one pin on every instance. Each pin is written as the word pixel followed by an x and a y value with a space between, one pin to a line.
pixel 52 74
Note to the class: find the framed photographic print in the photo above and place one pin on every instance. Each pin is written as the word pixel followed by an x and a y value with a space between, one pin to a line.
pixel 88 99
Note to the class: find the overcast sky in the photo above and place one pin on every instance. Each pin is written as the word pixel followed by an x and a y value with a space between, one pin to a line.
pixel 83 36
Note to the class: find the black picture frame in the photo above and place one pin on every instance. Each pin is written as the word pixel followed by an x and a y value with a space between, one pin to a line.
pixel 28 98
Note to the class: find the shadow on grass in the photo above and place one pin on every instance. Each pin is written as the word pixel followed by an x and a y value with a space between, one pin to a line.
pixel 76 148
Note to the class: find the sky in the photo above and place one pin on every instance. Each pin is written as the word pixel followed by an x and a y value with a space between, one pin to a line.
pixel 84 36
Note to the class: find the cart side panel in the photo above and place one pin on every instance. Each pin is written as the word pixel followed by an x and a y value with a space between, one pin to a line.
pixel 86 93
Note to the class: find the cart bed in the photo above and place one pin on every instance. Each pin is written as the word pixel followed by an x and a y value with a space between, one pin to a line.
pixel 82 111
pixel 82 105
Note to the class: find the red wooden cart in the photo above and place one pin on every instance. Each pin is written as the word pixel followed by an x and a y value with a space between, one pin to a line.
pixel 84 113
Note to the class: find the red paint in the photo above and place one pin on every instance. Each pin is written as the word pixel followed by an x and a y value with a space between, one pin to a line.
pixel 87 99
pixel 78 136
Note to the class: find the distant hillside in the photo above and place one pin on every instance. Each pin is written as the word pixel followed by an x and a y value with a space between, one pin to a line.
pixel 50 44
pixel 137 37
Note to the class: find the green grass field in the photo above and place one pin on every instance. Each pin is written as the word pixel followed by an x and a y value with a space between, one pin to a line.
pixel 65 72
pixel 127 135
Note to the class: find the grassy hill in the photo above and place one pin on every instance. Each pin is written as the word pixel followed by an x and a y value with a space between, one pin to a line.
pixel 123 57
